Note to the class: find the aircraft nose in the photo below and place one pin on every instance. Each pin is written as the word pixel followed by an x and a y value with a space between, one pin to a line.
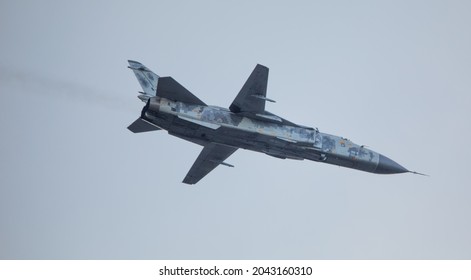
pixel 388 166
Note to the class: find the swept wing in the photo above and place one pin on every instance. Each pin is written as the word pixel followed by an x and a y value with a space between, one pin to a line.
pixel 252 96
pixel 210 157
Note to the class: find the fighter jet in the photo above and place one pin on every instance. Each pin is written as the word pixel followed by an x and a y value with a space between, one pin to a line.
pixel 245 124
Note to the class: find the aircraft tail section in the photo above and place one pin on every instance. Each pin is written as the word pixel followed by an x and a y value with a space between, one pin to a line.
pixel 166 87
pixel 142 125
pixel 170 89
pixel 146 78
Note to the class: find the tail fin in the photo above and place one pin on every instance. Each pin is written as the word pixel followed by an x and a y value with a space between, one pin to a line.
pixel 141 125
pixel 165 87
pixel 146 78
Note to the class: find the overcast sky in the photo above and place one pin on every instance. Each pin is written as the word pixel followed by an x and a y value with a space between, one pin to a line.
pixel 76 184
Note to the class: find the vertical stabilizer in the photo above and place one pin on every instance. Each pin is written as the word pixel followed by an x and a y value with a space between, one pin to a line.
pixel 147 79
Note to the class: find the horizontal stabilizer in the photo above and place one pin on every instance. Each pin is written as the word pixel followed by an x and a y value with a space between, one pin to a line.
pixel 169 88
pixel 141 125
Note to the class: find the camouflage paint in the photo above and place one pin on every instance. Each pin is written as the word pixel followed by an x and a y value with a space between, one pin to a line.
pixel 275 139
pixel 246 124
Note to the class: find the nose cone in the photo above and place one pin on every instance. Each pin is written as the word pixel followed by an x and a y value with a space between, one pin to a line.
pixel 388 166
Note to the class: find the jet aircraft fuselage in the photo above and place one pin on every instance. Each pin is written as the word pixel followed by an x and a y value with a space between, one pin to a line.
pixel 245 125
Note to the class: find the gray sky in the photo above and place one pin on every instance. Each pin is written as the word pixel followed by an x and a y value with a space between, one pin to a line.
pixel 76 184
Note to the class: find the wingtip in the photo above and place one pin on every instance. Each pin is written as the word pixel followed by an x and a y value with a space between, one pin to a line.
pixel 189 180
pixel 261 66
